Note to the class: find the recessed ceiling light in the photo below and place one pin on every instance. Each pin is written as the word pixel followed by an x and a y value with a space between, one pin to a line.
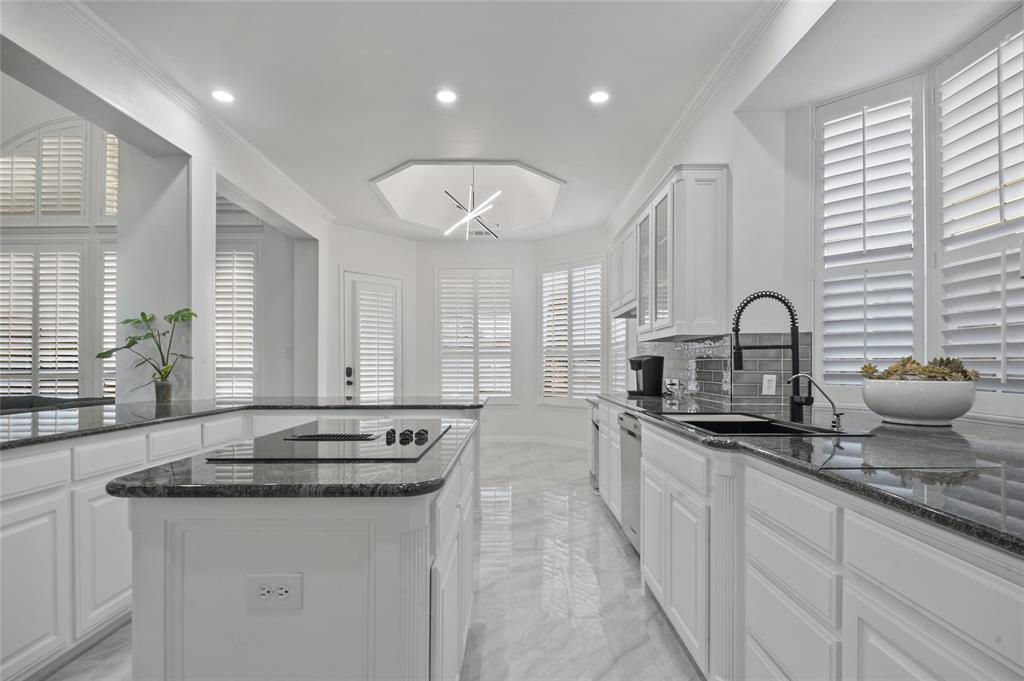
pixel 445 96
pixel 598 97
pixel 223 96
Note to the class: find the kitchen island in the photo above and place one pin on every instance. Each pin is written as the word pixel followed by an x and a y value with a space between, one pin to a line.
pixel 66 546
pixel 301 556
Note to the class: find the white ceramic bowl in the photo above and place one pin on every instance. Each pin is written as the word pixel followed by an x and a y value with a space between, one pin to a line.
pixel 918 403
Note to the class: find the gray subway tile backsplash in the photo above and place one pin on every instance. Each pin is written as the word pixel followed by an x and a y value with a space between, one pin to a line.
pixel 705 373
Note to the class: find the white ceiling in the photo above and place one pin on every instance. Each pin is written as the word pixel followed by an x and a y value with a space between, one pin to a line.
pixel 337 93
pixel 859 43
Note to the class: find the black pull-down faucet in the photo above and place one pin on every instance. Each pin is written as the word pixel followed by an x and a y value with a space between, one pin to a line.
pixel 796 400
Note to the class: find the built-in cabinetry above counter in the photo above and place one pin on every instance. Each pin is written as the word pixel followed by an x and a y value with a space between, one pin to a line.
pixel 669 267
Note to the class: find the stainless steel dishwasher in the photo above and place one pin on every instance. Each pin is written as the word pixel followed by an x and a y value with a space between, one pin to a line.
pixel 629 451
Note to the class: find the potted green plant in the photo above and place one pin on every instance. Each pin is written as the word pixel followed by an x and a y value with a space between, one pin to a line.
pixel 912 393
pixel 166 357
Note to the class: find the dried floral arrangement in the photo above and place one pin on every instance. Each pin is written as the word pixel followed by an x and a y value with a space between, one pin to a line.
pixel 909 369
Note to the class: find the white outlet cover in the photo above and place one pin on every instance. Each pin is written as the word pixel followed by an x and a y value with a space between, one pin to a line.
pixel 768 382
pixel 285 591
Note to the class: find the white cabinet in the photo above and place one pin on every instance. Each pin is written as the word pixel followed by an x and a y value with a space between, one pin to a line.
pixel 687 575
pixel 652 528
pixel 614 497
pixel 683 271
pixel 36 583
pixel 102 557
pixel 622 261
pixel 446 626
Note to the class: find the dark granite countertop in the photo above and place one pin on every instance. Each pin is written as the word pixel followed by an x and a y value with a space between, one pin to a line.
pixel 196 477
pixel 50 425
pixel 968 478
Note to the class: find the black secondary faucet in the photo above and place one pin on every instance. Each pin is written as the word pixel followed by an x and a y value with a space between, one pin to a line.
pixel 796 400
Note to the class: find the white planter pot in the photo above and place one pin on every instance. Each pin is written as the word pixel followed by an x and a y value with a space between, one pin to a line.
pixel 918 403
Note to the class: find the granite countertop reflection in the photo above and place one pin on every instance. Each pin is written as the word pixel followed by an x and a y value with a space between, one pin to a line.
pixel 968 478
pixel 49 425
pixel 196 477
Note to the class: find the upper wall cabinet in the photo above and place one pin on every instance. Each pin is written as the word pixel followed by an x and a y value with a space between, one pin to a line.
pixel 682 246
pixel 622 274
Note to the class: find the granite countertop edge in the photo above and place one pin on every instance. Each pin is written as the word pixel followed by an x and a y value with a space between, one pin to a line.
pixel 144 422
pixel 126 488
pixel 988 535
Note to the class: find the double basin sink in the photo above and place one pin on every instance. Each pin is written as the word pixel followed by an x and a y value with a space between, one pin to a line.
pixel 746 424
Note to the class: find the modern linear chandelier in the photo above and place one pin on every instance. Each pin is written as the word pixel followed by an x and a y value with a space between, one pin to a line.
pixel 471 210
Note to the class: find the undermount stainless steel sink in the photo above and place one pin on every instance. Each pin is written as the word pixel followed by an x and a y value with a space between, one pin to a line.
pixel 745 424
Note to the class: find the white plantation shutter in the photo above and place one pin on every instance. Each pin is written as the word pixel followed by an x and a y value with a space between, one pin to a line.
pixel 617 356
pixel 981 139
pixel 586 320
pixel 554 303
pixel 235 324
pixel 494 333
pixel 59 295
pixel 108 314
pixel 571 333
pixel 111 167
pixel 376 341
pixel 475 334
pixel 18 180
pixel 62 170
pixel 17 322
pixel 871 228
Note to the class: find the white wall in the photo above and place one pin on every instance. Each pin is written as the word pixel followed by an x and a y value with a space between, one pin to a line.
pixel 22 108
pixel 69 38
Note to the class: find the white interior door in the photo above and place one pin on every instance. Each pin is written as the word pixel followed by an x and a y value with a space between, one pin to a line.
pixel 373 338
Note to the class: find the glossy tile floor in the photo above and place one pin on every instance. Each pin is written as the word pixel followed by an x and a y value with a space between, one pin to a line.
pixel 558 596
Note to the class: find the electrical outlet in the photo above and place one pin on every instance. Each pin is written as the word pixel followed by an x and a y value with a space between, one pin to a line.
pixel 768 384
pixel 273 591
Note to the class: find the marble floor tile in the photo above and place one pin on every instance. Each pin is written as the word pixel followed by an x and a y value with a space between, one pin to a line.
pixel 558 590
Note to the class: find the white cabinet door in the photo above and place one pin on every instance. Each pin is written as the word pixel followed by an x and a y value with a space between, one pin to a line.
pixel 103 557
pixel 615 275
pixel 702 226
pixel 604 466
pixel 879 645
pixel 661 259
pixel 36 589
pixel 466 572
pixel 446 625
pixel 687 577
pixel 644 311
pixel 652 528
pixel 627 268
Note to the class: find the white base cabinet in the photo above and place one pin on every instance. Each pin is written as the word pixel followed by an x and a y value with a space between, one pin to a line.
pixel 829 586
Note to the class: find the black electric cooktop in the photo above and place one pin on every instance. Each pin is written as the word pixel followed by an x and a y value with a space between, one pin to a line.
pixel 341 440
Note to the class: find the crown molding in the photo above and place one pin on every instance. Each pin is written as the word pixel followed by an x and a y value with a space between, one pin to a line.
pixel 126 52
pixel 738 48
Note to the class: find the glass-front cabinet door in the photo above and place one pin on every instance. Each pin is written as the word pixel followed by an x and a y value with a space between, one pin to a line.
pixel 643 294
pixel 662 246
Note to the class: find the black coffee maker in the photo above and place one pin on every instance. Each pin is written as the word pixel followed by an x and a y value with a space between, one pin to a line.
pixel 648 370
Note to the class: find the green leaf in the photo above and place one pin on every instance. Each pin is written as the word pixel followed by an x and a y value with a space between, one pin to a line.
pixel 106 354
pixel 147 316
pixel 180 316
pixel 132 322
pixel 183 355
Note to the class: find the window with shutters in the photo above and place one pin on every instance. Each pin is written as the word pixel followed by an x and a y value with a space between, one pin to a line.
pixel 872 229
pixel 40 306
pixel 108 316
pixel 235 323
pixel 475 333
pixel 375 320
pixel 571 332
pixel 980 229
pixel 901 276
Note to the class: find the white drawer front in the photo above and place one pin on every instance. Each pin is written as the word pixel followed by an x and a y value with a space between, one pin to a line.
pixel 179 441
pixel 817 587
pixel 982 606
pixel 677 457
pixel 109 455
pixel 34 473
pixel 222 431
pixel 803 648
pixel 814 520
